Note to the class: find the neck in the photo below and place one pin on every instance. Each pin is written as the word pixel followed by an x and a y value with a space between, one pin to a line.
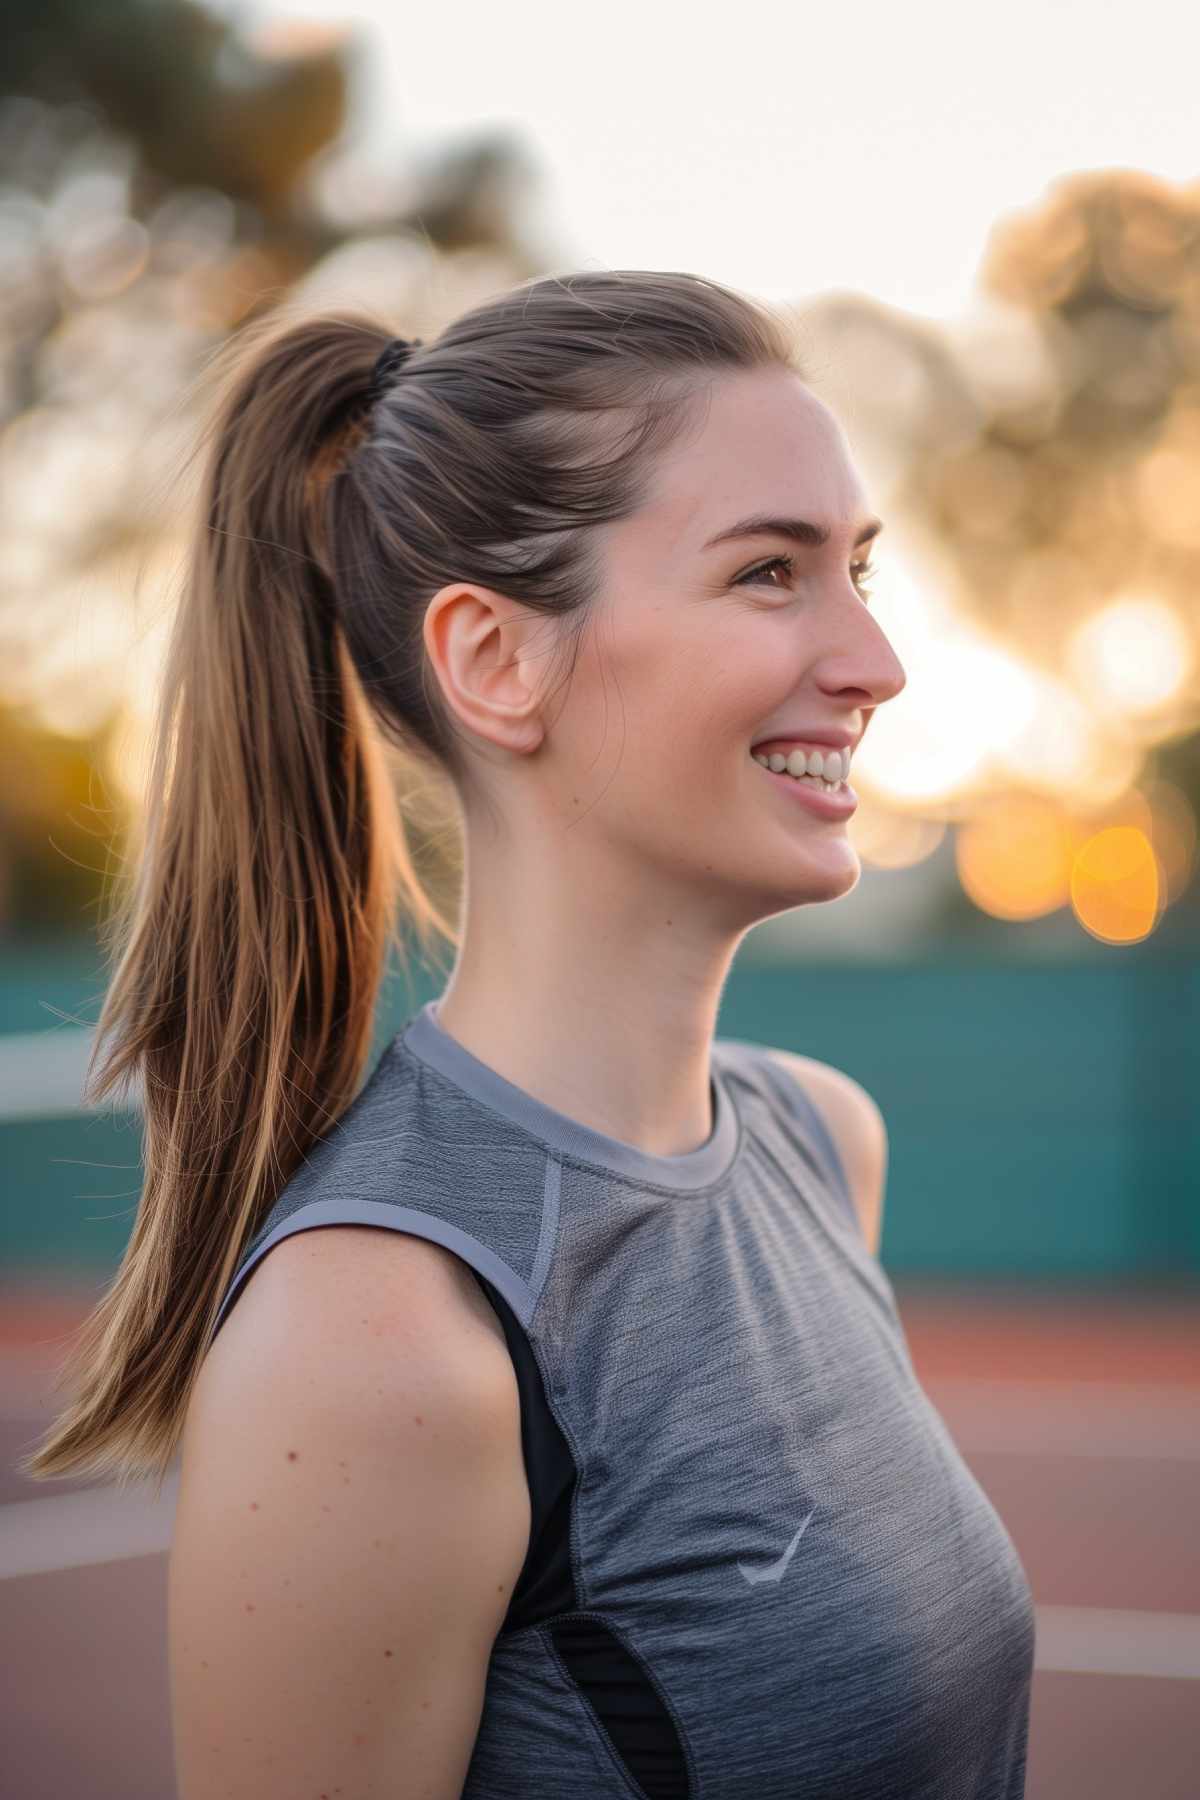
pixel 601 1006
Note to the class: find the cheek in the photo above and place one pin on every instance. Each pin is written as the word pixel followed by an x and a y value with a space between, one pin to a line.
pixel 688 688
pixel 661 682
pixel 729 683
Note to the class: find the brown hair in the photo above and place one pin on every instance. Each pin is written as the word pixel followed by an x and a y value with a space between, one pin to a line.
pixel 272 859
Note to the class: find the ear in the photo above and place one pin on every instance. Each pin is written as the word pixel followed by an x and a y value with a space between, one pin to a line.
pixel 489 654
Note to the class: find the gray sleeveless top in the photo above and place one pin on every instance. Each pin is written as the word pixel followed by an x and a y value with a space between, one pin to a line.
pixel 758 1568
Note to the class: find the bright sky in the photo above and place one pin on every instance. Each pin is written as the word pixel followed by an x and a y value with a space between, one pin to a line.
pixel 787 151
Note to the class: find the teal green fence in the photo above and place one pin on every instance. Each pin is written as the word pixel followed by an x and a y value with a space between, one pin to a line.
pixel 1043 1119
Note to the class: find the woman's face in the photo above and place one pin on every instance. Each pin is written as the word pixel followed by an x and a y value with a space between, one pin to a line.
pixel 697 650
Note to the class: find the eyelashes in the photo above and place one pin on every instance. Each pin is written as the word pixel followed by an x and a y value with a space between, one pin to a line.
pixel 863 573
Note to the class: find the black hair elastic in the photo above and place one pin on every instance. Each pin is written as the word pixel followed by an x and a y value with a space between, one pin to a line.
pixel 390 360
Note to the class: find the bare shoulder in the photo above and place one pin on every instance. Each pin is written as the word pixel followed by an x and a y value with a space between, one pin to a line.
pixel 367 1309
pixel 352 1518
pixel 361 1320
pixel 398 1274
pixel 857 1127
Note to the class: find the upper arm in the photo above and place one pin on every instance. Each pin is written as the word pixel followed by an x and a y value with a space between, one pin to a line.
pixel 352 1517
pixel 857 1127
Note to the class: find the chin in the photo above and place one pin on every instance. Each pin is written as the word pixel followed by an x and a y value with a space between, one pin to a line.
pixel 817 887
pixel 831 884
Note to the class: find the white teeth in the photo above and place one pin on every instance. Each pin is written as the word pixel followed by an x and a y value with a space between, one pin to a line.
pixel 830 769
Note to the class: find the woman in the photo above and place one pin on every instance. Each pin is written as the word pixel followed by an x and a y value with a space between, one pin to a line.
pixel 578 1452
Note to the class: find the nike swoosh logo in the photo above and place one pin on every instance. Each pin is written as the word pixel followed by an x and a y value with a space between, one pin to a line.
pixel 775 1571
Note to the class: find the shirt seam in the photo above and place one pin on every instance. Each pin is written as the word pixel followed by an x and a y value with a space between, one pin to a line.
pixel 568 1159
pixel 600 1733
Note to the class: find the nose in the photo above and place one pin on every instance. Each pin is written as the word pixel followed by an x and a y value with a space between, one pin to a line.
pixel 858 655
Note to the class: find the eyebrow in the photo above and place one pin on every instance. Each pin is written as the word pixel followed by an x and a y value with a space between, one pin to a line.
pixel 802 531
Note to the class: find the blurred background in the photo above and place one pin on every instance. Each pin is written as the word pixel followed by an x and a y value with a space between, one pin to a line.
pixel 991 249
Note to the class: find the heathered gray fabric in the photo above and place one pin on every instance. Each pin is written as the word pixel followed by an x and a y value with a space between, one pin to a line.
pixel 772 1517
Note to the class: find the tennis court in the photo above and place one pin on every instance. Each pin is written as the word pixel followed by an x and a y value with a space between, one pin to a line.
pixel 1078 1414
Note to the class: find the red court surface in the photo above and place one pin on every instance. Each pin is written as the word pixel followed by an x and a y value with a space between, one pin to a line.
pixel 1079 1416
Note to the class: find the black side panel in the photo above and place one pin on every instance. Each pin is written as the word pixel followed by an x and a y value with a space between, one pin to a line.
pixel 628 1705
pixel 546 1585
pixel 612 1679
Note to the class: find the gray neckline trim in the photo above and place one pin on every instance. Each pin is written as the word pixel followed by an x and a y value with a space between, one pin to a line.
pixel 425 1038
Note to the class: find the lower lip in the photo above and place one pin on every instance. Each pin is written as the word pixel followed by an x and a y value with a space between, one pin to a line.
pixel 826 806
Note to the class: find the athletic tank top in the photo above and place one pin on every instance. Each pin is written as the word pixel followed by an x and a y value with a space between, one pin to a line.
pixel 758 1567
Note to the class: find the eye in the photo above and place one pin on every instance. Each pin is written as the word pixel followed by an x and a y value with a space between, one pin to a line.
pixel 763 569
pixel 861 572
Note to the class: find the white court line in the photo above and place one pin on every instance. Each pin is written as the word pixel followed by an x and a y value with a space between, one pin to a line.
pixel 1070 1418
pixel 41 1074
pixel 1088 1640
pixel 96 1525
pixel 103 1524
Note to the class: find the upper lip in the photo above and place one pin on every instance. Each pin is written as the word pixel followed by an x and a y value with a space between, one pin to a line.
pixel 837 740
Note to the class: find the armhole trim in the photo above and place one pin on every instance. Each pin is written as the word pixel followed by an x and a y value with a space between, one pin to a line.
pixel 393 1218
pixel 803 1107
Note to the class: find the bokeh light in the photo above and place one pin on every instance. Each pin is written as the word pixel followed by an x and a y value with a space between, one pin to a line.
pixel 1035 459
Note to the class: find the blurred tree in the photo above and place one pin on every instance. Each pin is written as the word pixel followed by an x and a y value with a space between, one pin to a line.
pixel 164 176
pixel 1047 453
pixel 158 187
pixel 55 829
pixel 202 104
pixel 1092 451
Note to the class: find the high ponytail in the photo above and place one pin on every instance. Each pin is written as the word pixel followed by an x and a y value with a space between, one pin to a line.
pixel 248 952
